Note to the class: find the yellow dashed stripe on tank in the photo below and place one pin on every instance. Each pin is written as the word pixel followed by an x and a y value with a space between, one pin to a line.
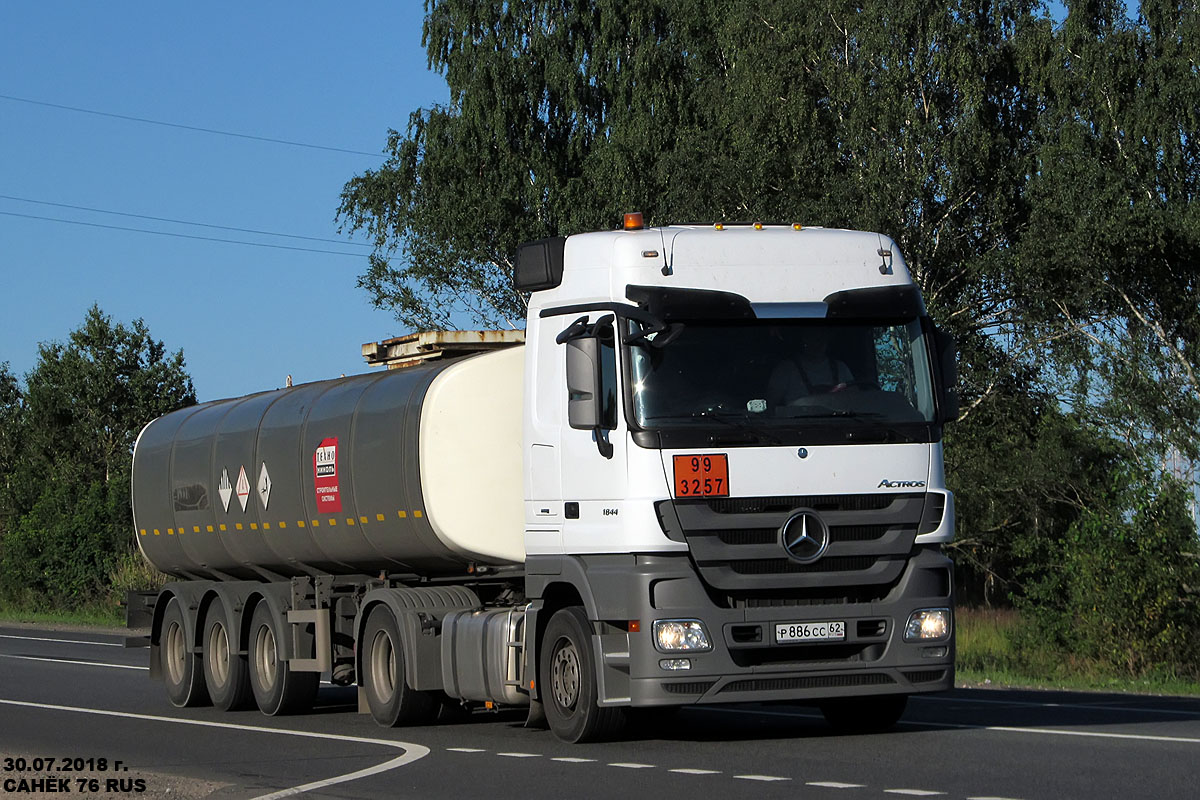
pixel 266 526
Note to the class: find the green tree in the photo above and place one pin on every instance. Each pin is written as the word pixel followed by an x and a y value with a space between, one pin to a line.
pixel 83 405
pixel 10 417
pixel 1040 178
pixel 1122 590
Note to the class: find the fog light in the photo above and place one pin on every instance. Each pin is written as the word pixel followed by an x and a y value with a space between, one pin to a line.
pixel 676 663
pixel 927 624
pixel 680 634
pixel 934 652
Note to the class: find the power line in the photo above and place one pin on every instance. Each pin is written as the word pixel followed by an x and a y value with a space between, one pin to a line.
pixel 186 127
pixel 181 221
pixel 181 235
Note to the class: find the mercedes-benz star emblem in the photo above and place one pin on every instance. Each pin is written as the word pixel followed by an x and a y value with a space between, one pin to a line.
pixel 804 536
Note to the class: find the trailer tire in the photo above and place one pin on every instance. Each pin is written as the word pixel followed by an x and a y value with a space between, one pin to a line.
pixel 226 673
pixel 181 669
pixel 391 700
pixel 277 690
pixel 568 679
pixel 869 714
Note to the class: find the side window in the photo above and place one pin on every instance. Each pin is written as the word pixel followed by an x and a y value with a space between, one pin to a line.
pixel 608 376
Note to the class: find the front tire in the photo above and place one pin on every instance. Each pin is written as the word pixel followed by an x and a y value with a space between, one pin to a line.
pixel 391 700
pixel 568 681
pixel 864 714
pixel 226 673
pixel 181 669
pixel 277 690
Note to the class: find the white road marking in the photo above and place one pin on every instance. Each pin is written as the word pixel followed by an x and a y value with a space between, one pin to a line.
pixel 572 760
pixel 688 771
pixel 465 750
pixel 761 778
pixel 913 792
pixel 520 755
pixel 65 641
pixel 631 765
pixel 999 728
pixel 70 661
pixel 1145 737
pixel 1031 704
pixel 836 785
pixel 411 753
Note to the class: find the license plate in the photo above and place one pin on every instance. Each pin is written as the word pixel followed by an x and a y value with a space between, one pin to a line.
pixel 786 632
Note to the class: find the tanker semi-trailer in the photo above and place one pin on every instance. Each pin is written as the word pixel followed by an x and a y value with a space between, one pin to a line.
pixel 712 473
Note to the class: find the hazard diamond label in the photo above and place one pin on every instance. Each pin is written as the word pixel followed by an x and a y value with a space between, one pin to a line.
pixel 225 489
pixel 264 485
pixel 243 487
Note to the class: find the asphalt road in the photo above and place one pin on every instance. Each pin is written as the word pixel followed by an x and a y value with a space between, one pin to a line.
pixel 78 698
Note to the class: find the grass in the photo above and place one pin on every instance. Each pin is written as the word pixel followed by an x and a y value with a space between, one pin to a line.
pixel 102 616
pixel 988 654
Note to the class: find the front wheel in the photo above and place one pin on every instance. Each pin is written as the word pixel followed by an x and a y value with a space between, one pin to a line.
pixel 568 681
pixel 864 714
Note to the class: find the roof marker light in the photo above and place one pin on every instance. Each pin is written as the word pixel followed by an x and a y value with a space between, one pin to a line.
pixel 719 226
pixel 758 226
pixel 633 221
pixel 796 226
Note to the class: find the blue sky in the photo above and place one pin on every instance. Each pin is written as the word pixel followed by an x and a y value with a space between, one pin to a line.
pixel 337 75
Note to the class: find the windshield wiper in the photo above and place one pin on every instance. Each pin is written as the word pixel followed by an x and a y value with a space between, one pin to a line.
pixel 738 421
pixel 843 413
pixel 729 418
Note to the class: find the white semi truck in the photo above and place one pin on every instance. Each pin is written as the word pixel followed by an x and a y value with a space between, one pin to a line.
pixel 712 474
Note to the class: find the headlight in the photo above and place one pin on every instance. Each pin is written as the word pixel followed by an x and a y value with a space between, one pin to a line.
pixel 927 624
pixel 672 635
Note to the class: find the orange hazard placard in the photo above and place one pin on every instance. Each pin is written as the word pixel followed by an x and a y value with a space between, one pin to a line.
pixel 705 475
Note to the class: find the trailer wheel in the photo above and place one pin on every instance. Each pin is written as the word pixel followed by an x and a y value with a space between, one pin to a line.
pixel 226 673
pixel 568 681
pixel 864 714
pixel 391 700
pixel 277 690
pixel 181 669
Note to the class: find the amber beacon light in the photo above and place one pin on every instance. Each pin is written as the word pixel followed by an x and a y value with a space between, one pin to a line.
pixel 633 221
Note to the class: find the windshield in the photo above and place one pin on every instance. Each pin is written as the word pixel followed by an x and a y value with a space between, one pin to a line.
pixel 780 374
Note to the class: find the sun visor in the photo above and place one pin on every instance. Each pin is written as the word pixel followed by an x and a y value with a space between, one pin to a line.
pixel 669 303
pixel 876 302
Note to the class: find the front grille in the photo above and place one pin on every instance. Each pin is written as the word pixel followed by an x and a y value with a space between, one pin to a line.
pixel 735 541
pixel 806 682
pixel 775 566
pixel 820 502
pixel 846 533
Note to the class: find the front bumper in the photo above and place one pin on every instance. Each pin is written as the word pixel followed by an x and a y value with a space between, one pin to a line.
pixel 747 665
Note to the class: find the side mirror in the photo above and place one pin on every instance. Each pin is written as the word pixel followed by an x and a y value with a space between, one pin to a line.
pixel 585 409
pixel 583 383
pixel 947 354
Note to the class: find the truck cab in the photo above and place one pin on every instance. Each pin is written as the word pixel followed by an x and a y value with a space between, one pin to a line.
pixel 733 465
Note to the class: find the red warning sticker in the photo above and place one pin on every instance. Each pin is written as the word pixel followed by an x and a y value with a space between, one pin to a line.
pixel 325 477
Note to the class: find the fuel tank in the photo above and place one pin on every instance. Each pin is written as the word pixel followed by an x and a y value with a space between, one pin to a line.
pixel 411 470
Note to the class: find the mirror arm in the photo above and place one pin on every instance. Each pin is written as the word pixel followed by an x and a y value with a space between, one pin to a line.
pixel 603 445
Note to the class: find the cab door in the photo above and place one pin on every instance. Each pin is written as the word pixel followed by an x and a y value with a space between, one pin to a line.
pixel 594 460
